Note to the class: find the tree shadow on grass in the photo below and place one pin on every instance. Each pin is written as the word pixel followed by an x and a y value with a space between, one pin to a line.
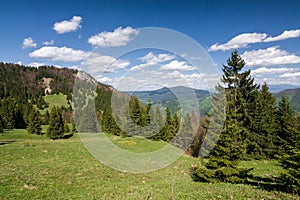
pixel 67 136
pixel 267 183
pixel 4 142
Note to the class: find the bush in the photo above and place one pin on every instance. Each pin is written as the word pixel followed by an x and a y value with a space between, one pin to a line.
pixel 219 170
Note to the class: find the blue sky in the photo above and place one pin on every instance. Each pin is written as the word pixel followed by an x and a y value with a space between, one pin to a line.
pixel 90 35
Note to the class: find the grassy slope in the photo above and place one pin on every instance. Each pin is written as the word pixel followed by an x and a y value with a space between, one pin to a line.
pixel 55 100
pixel 33 167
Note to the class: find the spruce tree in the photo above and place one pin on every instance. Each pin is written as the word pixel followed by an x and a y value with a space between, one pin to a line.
pixel 73 129
pixel 157 124
pixel 147 114
pixel 34 125
pixel 239 89
pixel 185 136
pixel 56 124
pixel 136 112
pixel 290 141
pixel 264 125
pixel 47 117
pixel 168 127
pixel 67 128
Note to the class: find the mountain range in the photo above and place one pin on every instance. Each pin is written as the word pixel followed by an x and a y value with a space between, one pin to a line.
pixel 176 97
pixel 31 85
pixel 169 96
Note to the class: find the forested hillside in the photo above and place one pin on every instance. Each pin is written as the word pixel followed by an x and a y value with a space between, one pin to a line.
pixel 293 95
pixel 167 97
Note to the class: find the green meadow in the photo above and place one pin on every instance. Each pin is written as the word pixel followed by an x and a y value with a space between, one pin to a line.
pixel 34 167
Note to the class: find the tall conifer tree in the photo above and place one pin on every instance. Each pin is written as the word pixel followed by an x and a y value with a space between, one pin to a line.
pixel 56 124
pixel 34 125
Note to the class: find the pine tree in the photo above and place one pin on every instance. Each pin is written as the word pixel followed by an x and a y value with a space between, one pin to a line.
pixel 185 136
pixel 290 140
pixel 157 124
pixel 264 125
pixel 147 113
pixel 231 146
pixel 66 127
pixel 135 111
pixel 56 124
pixel 168 126
pixel 109 124
pixel 34 125
pixel 239 92
pixel 47 117
pixel 73 129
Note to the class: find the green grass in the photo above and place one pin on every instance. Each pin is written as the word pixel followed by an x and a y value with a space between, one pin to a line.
pixel 136 144
pixel 33 167
pixel 55 100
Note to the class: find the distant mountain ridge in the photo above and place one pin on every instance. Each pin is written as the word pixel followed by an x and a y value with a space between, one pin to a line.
pixel 282 87
pixel 293 95
pixel 169 97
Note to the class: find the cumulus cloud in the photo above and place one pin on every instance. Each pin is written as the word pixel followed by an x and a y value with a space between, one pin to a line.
pixel 36 64
pixel 96 63
pixel 50 42
pixel 285 35
pixel 270 56
pixel 66 26
pixel 28 43
pixel 90 62
pixel 177 65
pixel 151 59
pixel 64 54
pixel 244 39
pixel 265 70
pixel 103 79
pixel 239 41
pixel 119 37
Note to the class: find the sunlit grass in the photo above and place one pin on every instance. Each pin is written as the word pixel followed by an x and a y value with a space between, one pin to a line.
pixel 34 167
pixel 55 100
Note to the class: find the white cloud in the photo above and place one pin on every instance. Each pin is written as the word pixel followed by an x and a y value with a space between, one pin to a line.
pixel 29 43
pixel 96 63
pixel 74 67
pixel 50 42
pixel 270 56
pixel 150 57
pixel 186 56
pixel 151 60
pixel 64 54
pixel 244 39
pixel 142 66
pixel 239 41
pixel 68 25
pixel 285 35
pixel 290 75
pixel 36 64
pixel 119 37
pixel 176 65
pixel 103 79
pixel 265 70
pixel 19 62
pixel 90 62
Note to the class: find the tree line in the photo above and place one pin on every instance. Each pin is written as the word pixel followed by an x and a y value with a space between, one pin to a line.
pixel 254 127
